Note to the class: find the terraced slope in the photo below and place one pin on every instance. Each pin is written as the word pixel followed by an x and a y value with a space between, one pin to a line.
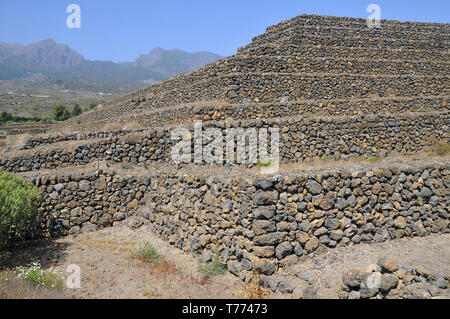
pixel 363 116
pixel 313 64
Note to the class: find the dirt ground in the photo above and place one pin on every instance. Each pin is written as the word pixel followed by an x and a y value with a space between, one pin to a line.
pixel 109 271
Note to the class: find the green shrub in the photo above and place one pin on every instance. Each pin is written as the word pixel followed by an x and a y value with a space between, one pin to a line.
pixel 126 165
pixel 148 254
pixel 76 110
pixel 325 159
pixel 60 113
pixel 5 117
pixel 19 200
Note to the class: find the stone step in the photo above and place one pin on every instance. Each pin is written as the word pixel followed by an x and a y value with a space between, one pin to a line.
pixel 305 51
pixel 299 64
pixel 300 139
pixel 338 30
pixel 148 116
pixel 266 221
pixel 267 87
pixel 342 32
pixel 351 42
pixel 270 87
pixel 356 23
pixel 19 128
pixel 246 111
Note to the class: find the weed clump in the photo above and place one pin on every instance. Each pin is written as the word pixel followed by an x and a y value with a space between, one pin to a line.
pixel 211 269
pixel 36 276
pixel 264 163
pixel 150 256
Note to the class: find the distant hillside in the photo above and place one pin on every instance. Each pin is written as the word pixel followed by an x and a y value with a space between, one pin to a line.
pixel 169 63
pixel 62 65
pixel 62 75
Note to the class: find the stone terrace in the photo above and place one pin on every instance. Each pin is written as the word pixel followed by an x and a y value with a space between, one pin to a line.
pixel 309 62
pixel 340 93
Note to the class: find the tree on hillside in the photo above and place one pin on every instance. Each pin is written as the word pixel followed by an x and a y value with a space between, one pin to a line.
pixel 5 117
pixel 76 110
pixel 60 113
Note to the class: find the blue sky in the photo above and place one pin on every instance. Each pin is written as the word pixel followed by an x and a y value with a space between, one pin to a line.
pixel 120 30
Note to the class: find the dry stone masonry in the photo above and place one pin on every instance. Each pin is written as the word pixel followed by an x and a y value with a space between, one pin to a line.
pixel 301 139
pixel 309 58
pixel 250 221
pixel 335 89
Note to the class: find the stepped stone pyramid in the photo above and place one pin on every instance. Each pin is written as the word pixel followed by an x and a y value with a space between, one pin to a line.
pixel 315 65
pixel 363 116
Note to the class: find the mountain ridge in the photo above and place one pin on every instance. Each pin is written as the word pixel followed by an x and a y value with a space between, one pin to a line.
pixel 59 62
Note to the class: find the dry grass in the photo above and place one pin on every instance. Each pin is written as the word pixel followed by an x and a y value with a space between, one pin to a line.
pixel 112 127
pixel 158 266
pixel 442 148
pixel 253 289
pixel 211 269
pixel 16 288
pixel 132 126
pixel 20 289
pixel 17 141
pixel 156 263
pixel 126 165
pixel 111 270
pixel 101 243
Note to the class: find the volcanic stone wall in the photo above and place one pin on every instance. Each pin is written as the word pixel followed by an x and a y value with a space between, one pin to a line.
pixel 248 111
pixel 270 86
pixel 25 128
pixel 299 64
pixel 262 223
pixel 341 52
pixel 300 139
pixel 87 201
pixel 33 142
pixel 253 222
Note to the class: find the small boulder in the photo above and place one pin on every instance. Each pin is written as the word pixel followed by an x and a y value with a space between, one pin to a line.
pixel 282 250
pixel 387 264
pixel 422 271
pixel 388 282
